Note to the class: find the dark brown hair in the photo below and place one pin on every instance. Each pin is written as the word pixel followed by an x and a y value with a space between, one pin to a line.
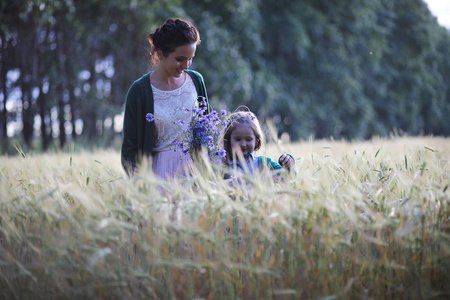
pixel 170 35
pixel 238 118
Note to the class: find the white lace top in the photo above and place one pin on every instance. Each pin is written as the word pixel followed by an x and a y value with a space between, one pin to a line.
pixel 170 108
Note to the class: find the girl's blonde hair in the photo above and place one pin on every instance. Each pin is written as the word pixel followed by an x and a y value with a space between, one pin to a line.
pixel 238 118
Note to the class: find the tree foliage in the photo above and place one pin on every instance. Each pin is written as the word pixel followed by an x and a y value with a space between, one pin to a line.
pixel 349 69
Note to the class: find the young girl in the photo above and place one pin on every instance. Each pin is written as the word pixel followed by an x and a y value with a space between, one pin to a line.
pixel 243 136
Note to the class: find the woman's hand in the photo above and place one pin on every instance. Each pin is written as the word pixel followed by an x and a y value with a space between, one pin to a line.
pixel 286 161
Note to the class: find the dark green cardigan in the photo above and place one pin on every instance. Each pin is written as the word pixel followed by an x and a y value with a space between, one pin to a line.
pixel 138 134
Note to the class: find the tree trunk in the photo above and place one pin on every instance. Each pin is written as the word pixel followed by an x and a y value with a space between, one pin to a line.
pixel 4 113
pixel 61 41
pixel 69 69
pixel 89 111
pixel 27 115
pixel 25 83
pixel 42 106
pixel 62 121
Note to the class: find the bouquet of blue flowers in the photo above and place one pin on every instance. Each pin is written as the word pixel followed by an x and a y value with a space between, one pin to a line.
pixel 203 132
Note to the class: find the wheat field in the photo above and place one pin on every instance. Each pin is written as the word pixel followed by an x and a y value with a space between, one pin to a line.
pixel 363 220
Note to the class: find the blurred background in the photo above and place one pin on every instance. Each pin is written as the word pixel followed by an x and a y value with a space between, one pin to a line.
pixel 349 69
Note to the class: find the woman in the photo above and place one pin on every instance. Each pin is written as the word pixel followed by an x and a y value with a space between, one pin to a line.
pixel 157 101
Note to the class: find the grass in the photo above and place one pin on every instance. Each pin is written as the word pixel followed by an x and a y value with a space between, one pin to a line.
pixel 364 220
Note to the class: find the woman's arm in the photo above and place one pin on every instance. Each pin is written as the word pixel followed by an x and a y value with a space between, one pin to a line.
pixel 130 131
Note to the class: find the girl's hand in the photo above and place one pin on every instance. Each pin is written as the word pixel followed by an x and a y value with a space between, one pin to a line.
pixel 286 161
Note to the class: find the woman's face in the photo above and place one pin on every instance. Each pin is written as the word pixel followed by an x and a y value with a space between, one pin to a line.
pixel 178 61
pixel 243 139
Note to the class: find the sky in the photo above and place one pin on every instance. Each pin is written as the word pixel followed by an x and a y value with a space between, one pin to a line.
pixel 440 9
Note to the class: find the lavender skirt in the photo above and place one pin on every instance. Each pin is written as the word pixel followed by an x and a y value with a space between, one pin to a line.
pixel 171 164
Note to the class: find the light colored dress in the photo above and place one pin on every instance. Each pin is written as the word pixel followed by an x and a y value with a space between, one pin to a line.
pixel 171 107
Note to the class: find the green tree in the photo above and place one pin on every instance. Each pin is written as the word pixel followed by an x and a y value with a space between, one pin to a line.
pixel 349 69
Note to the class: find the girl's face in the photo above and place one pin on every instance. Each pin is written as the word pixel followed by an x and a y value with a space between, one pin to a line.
pixel 178 61
pixel 243 139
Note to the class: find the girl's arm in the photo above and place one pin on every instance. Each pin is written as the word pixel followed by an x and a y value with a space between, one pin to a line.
pixel 288 162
